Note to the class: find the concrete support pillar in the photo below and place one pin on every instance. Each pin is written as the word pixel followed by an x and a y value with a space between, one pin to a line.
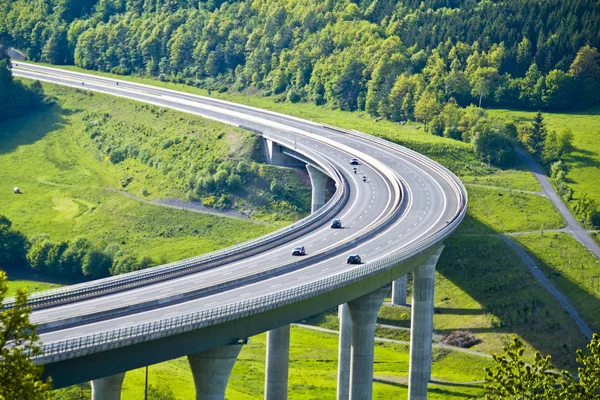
pixel 344 349
pixel 278 357
pixel 108 388
pixel 421 328
pixel 399 291
pixel 364 311
pixel 318 180
pixel 211 370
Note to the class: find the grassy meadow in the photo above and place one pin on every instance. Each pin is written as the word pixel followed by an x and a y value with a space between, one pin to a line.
pixel 69 189
pixel 584 163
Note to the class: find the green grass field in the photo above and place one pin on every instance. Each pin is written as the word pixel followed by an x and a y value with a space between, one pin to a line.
pixel 575 271
pixel 313 369
pixel 494 211
pixel 68 190
pixel 584 162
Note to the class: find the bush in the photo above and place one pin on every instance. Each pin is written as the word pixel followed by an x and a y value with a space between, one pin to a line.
pixel 117 156
pixel 293 96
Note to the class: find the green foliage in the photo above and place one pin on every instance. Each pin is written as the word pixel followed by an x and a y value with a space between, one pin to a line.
pixel 20 378
pixel 586 209
pixel 513 378
pixel 370 55
pixel 13 246
pixel 16 99
pixel 160 393
pixel 494 147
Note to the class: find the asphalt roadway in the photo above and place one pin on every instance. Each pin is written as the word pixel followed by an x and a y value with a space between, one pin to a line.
pixel 429 201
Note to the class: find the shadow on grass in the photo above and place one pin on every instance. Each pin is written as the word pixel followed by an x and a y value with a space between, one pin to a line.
pixel 492 273
pixel 440 391
pixel 458 311
pixel 31 128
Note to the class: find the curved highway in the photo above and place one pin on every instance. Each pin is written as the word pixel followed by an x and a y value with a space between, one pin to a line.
pixel 407 205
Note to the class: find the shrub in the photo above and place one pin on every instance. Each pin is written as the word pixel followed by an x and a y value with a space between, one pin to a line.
pixel 117 156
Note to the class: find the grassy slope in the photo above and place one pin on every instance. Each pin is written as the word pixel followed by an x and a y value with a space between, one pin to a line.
pixel 494 210
pixel 584 163
pixel 481 286
pixel 575 271
pixel 69 191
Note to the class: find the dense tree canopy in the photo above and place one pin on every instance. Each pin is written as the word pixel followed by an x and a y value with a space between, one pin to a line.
pixel 378 55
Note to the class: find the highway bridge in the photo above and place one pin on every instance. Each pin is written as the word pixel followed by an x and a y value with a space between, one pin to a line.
pixel 396 210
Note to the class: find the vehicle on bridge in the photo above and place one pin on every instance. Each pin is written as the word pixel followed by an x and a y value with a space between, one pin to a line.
pixel 354 259
pixel 299 251
pixel 354 161
pixel 336 223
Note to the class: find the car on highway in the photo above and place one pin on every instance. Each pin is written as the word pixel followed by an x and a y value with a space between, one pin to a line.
pixel 336 223
pixel 299 251
pixel 354 161
pixel 354 259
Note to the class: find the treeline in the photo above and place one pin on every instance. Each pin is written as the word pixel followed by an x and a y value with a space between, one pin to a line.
pixel 382 56
pixel 17 99
pixel 76 259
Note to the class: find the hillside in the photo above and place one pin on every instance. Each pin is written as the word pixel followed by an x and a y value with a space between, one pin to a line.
pixel 94 172
pixel 381 56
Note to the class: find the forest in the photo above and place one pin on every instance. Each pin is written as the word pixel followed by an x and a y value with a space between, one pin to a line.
pixel 394 59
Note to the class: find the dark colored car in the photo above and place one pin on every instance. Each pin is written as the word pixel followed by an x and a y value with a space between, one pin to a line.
pixel 353 259
pixel 354 161
pixel 299 251
pixel 336 223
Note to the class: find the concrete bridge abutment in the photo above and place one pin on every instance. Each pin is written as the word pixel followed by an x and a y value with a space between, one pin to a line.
pixel 211 370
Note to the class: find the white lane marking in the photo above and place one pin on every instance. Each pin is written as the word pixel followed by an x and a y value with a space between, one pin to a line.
pixel 324 269
pixel 275 259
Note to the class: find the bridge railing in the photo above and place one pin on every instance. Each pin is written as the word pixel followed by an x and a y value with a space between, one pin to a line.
pixel 152 330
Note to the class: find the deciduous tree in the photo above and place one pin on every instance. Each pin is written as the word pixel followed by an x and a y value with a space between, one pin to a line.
pixel 20 378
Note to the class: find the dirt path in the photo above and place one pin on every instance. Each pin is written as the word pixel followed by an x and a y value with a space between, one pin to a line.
pixel 404 342
pixel 573 227
pixel 549 286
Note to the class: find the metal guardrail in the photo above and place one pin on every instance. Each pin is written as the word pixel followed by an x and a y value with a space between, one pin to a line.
pixel 153 330
pixel 137 278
